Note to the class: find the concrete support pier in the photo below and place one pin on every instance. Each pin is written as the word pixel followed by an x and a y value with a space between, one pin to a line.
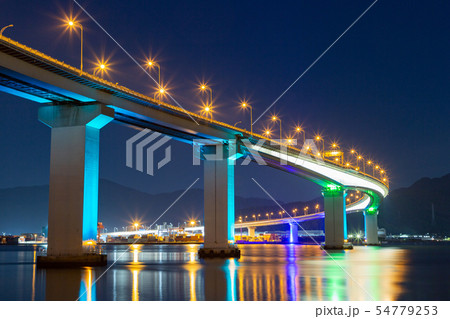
pixel 219 202
pixel 293 233
pixel 371 227
pixel 335 218
pixel 251 231
pixel 74 166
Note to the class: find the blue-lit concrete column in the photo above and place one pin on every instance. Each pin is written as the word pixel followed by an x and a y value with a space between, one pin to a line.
pixel 371 227
pixel 74 166
pixel 219 200
pixel 293 233
pixel 335 217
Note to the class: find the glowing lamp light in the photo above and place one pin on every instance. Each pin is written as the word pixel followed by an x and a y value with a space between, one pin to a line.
pixel 333 187
pixel 70 23
pixel 102 66
pixel 207 109
pixel 162 91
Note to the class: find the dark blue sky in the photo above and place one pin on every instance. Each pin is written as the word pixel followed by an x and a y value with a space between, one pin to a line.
pixel 383 88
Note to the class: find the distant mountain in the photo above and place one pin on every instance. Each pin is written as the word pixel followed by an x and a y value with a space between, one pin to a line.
pixel 405 210
pixel 25 209
pixel 409 210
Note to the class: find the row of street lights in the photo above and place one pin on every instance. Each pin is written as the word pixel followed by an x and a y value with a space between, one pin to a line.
pixel 353 197
pixel 335 154
pixel 270 215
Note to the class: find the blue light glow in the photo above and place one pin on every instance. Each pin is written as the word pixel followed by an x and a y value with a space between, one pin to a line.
pixel 23 95
pixel 230 200
pixel 91 167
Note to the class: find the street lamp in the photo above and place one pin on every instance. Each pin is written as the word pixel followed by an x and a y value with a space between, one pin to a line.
pixel 317 208
pixel 277 119
pixel 136 225
pixel 203 87
pixel 151 64
pixel 160 93
pixel 267 133
pixel 4 28
pixel 75 24
pixel 254 216
pixel 299 130
pixel 319 138
pixel 207 110
pixel 245 105
pixel 305 210
pixel 359 157
pixel 102 67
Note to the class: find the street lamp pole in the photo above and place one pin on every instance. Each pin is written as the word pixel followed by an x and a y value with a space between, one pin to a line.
pixel 275 119
pixel 4 28
pixel 300 130
pixel 77 24
pixel 245 105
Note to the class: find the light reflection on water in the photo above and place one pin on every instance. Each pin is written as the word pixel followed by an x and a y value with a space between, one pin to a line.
pixel 264 272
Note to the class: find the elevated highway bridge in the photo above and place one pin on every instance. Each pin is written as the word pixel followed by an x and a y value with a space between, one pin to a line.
pixel 76 105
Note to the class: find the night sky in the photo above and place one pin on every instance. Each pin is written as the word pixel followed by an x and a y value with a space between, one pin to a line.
pixel 383 88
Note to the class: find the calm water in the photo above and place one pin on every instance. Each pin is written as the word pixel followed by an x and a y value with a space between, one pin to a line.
pixel 264 272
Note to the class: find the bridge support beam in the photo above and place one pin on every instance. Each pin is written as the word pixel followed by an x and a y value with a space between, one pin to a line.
pixel 219 202
pixel 74 167
pixel 371 228
pixel 251 231
pixel 293 233
pixel 335 218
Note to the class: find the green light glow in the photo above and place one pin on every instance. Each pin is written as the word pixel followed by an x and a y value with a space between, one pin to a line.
pixel 333 187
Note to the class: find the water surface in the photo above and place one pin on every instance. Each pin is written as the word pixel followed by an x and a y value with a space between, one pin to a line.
pixel 264 272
